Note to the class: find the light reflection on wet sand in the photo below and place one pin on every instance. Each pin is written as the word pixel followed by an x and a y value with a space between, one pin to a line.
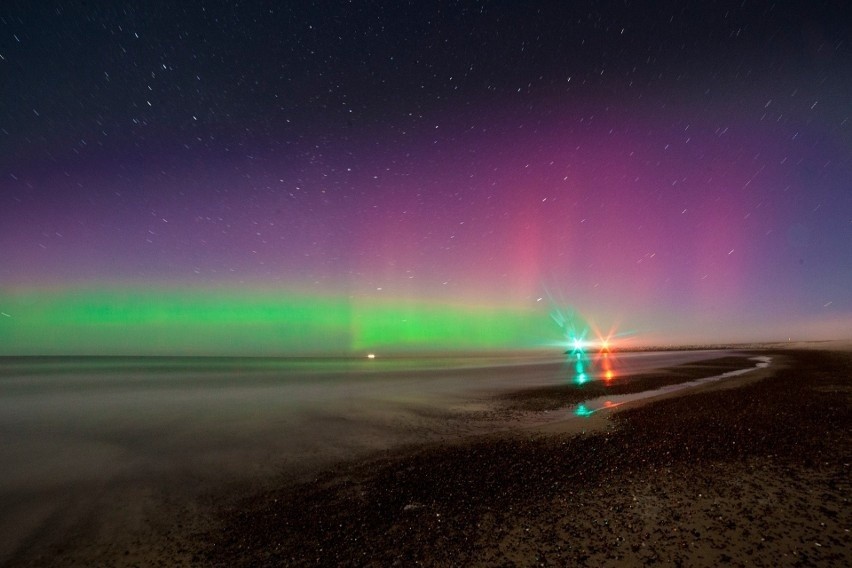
pixel 589 407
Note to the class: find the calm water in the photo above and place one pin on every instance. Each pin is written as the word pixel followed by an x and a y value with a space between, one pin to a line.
pixel 80 418
pixel 71 428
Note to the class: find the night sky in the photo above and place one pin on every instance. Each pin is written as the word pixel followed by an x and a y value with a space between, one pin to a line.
pixel 273 178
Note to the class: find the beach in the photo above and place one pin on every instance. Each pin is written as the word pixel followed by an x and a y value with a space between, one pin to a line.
pixel 748 470
pixel 755 475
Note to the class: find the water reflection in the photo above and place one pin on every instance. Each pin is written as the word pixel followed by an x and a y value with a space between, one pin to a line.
pixel 581 362
pixel 583 410
pixel 608 401
pixel 604 360
pixel 599 365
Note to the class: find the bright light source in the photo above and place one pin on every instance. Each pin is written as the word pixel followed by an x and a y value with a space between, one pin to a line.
pixel 371 356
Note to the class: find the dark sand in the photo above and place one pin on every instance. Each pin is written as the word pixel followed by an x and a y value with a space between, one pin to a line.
pixel 752 470
pixel 756 475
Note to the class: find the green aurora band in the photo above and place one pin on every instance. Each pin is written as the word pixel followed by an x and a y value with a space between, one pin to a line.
pixel 255 324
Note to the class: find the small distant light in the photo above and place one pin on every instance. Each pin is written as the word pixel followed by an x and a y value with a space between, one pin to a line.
pixel 371 356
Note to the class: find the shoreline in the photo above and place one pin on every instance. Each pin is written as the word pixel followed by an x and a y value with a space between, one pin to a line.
pixel 131 513
pixel 600 416
pixel 488 487
pixel 629 494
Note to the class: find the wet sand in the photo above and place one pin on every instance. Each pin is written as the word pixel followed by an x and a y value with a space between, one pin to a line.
pixel 754 475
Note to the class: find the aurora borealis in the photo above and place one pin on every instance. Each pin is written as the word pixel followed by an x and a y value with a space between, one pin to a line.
pixel 339 178
pixel 146 323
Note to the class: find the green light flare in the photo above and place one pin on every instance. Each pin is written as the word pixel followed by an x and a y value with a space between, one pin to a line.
pixel 249 323
pixel 573 327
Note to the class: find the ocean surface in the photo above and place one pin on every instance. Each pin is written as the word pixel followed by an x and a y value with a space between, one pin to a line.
pixel 74 431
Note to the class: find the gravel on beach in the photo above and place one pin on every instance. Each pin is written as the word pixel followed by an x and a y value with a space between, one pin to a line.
pixel 757 475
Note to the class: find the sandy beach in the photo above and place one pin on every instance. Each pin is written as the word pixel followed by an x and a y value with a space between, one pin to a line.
pixel 749 470
pixel 754 475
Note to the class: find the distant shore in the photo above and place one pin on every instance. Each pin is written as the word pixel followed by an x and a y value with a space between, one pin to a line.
pixel 757 474
pixel 827 344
